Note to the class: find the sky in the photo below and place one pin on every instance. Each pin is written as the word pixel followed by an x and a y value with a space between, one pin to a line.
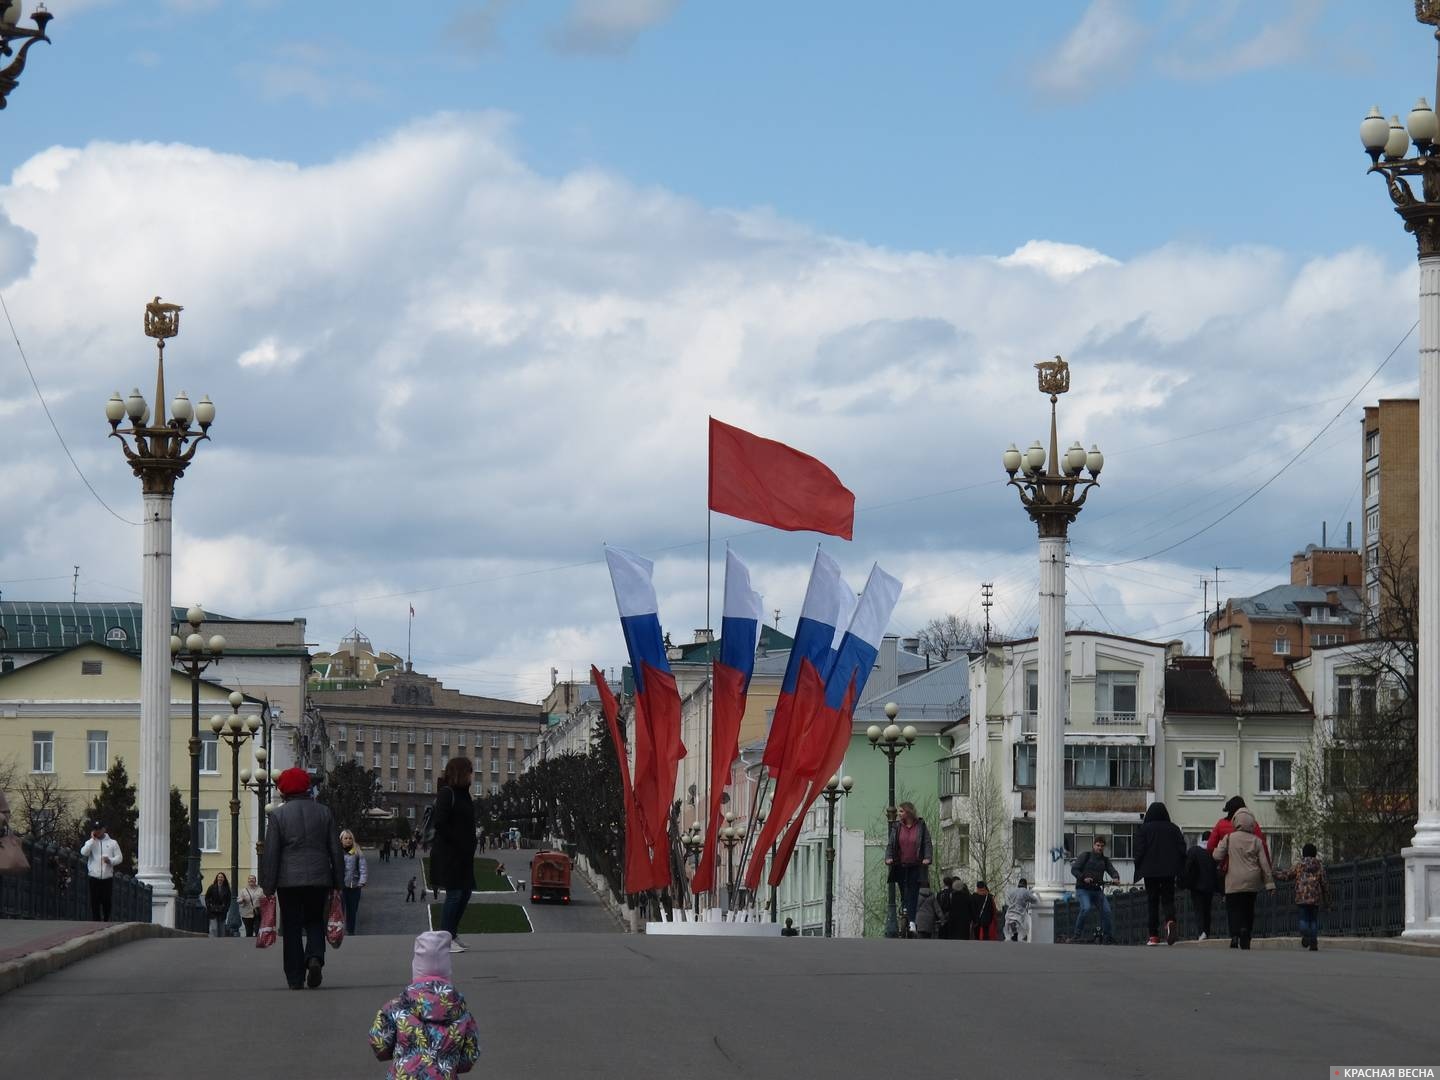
pixel 466 280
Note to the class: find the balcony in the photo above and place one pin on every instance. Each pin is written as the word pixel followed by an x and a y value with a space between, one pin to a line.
pixel 1118 719
pixel 1028 720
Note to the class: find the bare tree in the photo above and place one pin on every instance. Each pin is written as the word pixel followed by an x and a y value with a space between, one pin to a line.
pixel 990 830
pixel 9 774
pixel 949 636
pixel 45 811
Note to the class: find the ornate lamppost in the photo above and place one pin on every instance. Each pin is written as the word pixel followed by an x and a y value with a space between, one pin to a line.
pixel 836 788
pixel 693 842
pixel 730 835
pixel 1052 497
pixel 1387 144
pixel 235 730
pixel 11 30
pixel 158 453
pixel 892 740
pixel 257 781
pixel 194 654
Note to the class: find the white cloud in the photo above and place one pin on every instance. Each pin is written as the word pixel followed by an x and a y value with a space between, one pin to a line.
pixel 609 26
pixel 470 374
pixel 1103 47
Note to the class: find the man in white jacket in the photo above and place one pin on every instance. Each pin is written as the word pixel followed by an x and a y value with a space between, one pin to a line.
pixel 101 855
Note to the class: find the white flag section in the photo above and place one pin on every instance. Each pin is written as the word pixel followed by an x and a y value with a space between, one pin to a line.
pixel 876 605
pixel 632 577
pixel 741 601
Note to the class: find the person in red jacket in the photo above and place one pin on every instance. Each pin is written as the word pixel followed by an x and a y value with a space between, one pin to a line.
pixel 1226 825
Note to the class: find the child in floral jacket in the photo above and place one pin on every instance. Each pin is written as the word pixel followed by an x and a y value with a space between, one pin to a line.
pixel 1311 890
pixel 427 1033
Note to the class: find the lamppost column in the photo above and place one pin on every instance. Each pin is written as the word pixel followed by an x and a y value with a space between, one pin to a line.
pixel 155 670
pixel 194 883
pixel 1422 858
pixel 830 868
pixel 1050 732
pixel 892 923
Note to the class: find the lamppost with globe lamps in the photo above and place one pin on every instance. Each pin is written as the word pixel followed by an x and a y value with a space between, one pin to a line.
pixel 694 843
pixel 836 788
pixel 158 451
pixel 235 730
pixel 730 835
pixel 1052 490
pixel 194 654
pixel 1387 144
pixel 257 781
pixel 11 30
pixel 892 740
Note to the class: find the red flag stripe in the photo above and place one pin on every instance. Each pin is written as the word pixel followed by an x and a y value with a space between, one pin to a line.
pixel 774 484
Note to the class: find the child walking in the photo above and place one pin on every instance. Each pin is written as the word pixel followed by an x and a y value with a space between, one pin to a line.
pixel 1311 890
pixel 427 1033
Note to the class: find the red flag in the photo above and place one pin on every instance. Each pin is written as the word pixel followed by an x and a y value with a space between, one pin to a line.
pixel 833 729
pixel 639 876
pixel 729 708
pixel 766 481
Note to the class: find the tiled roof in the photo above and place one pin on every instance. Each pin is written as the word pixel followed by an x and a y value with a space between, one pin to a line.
pixel 942 693
pixel 27 625
pixel 1271 692
pixel 1195 690
pixel 1285 601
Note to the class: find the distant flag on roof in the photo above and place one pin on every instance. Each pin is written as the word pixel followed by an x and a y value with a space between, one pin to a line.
pixel 766 481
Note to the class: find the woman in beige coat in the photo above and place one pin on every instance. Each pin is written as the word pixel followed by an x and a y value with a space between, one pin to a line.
pixel 1245 866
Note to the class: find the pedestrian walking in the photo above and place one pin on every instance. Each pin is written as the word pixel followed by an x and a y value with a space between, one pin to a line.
pixel 102 855
pixel 452 856
pixel 1247 871
pixel 789 928
pixel 908 853
pixel 1090 871
pixel 217 904
pixel 1203 881
pixel 356 877
pixel 1018 902
pixel 301 866
pixel 1226 825
pixel 957 912
pixel 428 1030
pixel 927 913
pixel 1159 860
pixel 984 919
pixel 248 900
pixel 1311 891
pixel 410 891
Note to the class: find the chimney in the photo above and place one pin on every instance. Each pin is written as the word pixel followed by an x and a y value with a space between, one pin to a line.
pixel 1349 534
pixel 1230 662
pixel 1174 650
pixel 705 636
pixel 1323 536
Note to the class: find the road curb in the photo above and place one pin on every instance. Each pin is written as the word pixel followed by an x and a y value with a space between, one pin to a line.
pixel 1394 946
pixel 36 965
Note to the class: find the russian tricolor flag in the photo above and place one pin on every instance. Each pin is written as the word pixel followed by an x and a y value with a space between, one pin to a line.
pixel 730 684
pixel 658 748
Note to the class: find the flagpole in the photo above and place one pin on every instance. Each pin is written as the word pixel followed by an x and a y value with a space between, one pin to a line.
pixel 709 697
pixel 409 630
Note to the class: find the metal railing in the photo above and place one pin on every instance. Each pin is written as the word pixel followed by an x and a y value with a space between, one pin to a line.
pixel 56 887
pixel 1117 719
pixel 1367 899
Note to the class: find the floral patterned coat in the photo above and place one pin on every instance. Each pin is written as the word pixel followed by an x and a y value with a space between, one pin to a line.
pixel 427 1033
pixel 1310 884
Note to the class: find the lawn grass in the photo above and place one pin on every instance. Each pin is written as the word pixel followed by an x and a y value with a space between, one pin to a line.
pixel 488 919
pixel 488 876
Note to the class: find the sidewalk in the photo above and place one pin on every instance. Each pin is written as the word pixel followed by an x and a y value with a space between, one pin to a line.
pixel 31 948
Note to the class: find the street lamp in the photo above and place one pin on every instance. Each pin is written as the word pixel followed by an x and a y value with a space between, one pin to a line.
pixel 194 654
pixel 1387 142
pixel 10 30
pixel 257 781
pixel 892 740
pixel 1052 491
pixel 236 731
pixel 730 835
pixel 694 843
pixel 836 788
pixel 774 891
pixel 159 455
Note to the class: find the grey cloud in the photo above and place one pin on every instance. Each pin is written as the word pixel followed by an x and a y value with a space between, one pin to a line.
pixel 608 26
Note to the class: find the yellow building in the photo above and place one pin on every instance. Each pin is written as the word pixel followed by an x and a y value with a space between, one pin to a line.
pixel 72 714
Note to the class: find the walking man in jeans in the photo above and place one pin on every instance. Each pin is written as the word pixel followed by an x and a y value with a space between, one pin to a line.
pixel 909 854
pixel 1090 870
pixel 101 854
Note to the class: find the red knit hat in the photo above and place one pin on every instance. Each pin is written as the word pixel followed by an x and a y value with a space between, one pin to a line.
pixel 293 781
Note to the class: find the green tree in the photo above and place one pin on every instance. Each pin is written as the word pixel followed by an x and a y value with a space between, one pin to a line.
pixel 114 804
pixel 402 828
pixel 179 838
pixel 349 791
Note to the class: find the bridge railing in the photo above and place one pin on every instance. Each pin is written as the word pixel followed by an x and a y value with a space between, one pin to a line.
pixel 56 887
pixel 1367 899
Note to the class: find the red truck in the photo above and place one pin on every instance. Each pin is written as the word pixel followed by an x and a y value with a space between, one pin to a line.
pixel 550 877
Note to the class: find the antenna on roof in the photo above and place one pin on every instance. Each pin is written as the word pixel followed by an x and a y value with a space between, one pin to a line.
pixel 75 585
pixel 777 618
pixel 987 599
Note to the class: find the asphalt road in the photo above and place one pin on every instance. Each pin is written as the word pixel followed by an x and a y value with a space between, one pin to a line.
pixel 620 1006
pixel 584 913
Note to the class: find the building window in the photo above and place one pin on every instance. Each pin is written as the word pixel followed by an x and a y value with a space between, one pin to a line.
pixel 1032 698
pixel 1329 639
pixel 410 811
pixel 42 758
pixel 1277 775
pixel 1355 696
pixel 410 737
pixel 1116 693
pixel 1282 646
pixel 340 732
pixel 510 766
pixel 955 776
pixel 429 738
pixel 209 830
pixel 360 757
pixel 91 667
pixel 394 761
pixel 494 789
pixel 428 787
pixel 359 736
pixel 1202 775
pixel 410 760
pixel 527 743
pixel 429 763
pixel 1372 444
pixel 375 759
pixel 510 740
pixel 494 740
pixel 394 784
pixel 1372 594
pixel 1093 766
pixel 97 751
pixel 410 786
pixel 1372 522
pixel 117 635
pixel 209 752
pixel 494 766
pixel 1372 483
pixel 1119 839
pixel 460 740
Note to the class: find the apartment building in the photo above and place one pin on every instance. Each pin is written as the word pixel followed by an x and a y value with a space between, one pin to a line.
pixel 1390 456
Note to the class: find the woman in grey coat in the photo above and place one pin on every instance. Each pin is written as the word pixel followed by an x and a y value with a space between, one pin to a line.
pixel 301 865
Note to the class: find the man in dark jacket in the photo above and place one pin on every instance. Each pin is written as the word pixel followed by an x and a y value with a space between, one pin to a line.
pixel 1090 870
pixel 909 854
pixel 1203 880
pixel 1159 860
pixel 301 864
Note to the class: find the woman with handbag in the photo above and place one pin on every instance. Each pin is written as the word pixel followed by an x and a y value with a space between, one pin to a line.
pixel 248 899
pixel 452 854
pixel 356 877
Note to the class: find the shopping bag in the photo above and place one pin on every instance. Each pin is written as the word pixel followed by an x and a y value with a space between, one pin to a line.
pixel 265 935
pixel 335 924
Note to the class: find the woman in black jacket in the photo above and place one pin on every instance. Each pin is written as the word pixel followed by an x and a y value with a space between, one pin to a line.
pixel 1160 859
pixel 452 855
pixel 217 904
